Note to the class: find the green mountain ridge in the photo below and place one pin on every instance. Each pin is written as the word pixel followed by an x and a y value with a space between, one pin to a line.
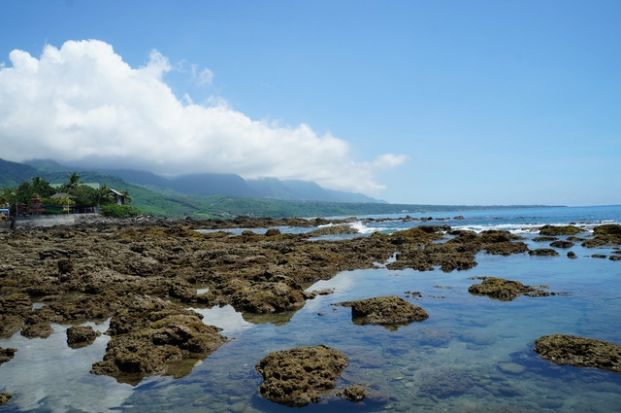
pixel 166 202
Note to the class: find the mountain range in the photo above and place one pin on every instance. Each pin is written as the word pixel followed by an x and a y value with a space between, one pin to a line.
pixel 204 184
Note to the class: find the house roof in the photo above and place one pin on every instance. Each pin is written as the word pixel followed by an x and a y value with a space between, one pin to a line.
pixel 59 195
pixel 115 192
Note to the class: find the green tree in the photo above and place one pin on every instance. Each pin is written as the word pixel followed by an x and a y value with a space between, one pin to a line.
pixel 41 187
pixel 7 197
pixel 73 181
pixel 128 199
pixel 104 196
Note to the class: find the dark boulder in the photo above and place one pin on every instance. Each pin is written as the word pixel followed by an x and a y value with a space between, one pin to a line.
pixel 562 244
pixel 6 354
pixel 81 336
pixel 543 252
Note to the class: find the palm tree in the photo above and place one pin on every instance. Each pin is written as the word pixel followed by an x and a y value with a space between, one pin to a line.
pixel 104 195
pixel 73 181
pixel 128 199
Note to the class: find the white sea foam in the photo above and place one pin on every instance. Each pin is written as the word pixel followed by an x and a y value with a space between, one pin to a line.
pixel 362 228
pixel 530 228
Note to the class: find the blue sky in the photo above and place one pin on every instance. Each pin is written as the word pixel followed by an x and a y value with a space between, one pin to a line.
pixel 492 102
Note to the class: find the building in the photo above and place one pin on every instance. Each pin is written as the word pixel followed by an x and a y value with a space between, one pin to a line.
pixel 119 197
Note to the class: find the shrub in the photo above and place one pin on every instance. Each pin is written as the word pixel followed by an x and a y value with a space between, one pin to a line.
pixel 119 211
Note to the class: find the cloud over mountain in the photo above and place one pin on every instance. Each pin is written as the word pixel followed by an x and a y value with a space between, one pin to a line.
pixel 83 103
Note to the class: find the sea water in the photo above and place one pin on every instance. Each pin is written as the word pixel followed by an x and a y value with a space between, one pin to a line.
pixel 473 354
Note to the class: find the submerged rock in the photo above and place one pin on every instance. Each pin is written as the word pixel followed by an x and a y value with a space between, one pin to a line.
pixel 445 382
pixel 543 252
pixel 579 351
pixel 571 255
pixel 602 256
pixel 505 290
pixel 511 368
pixel 81 336
pixel 6 354
pixel 301 375
pixel 562 244
pixel 553 230
pixel 353 393
pixel 387 311
pixel 545 238
pixel 4 398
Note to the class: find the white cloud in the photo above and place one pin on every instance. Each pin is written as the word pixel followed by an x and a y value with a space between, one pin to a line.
pixel 82 102
pixel 203 77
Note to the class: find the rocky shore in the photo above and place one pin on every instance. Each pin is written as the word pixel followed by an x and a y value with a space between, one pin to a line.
pixel 144 276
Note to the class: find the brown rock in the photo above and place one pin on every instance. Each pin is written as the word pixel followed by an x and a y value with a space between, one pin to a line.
pixel 37 330
pixel 579 351
pixel 6 354
pixel 159 348
pixel 505 290
pixel 562 244
pixel 353 393
pixel 387 311
pixel 4 398
pixel 300 376
pixel 81 336
pixel 552 230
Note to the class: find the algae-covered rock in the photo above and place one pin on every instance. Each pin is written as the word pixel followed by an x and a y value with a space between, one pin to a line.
pixel 562 244
pixel 6 354
pixel 604 235
pixel 4 398
pixel 81 336
pixel 505 290
pixel 37 330
pixel 353 393
pixel 301 375
pixel 545 238
pixel 272 232
pixel 615 258
pixel 543 252
pixel 552 230
pixel 579 351
pixel 266 293
pixel 387 311
pixel 333 230
pixel 159 348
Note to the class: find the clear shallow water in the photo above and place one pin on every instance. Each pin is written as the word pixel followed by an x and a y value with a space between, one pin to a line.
pixel 472 354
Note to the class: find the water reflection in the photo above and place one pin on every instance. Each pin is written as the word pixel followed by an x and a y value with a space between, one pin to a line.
pixel 48 376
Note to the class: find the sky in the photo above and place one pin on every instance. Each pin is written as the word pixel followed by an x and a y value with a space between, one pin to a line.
pixel 429 102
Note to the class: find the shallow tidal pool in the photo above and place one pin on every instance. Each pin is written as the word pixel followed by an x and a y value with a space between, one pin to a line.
pixel 473 354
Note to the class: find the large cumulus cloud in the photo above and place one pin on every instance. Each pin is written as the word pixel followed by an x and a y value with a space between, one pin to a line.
pixel 83 102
